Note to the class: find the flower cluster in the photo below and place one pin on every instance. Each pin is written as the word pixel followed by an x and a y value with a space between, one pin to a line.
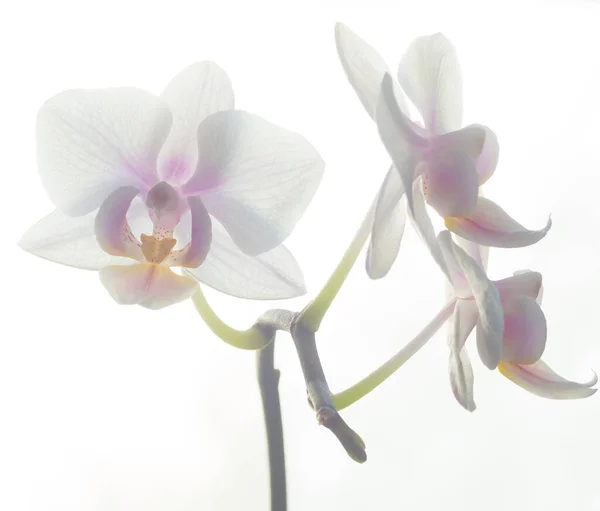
pixel 143 184
pixel 440 164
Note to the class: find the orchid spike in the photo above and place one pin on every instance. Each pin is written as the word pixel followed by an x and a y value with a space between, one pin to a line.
pixel 445 162
pixel 143 184
pixel 510 327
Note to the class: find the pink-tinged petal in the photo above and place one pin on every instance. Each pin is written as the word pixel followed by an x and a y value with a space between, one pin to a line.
pixel 540 294
pixel 397 132
pixel 272 275
pixel 525 331
pixel 450 177
pixel 490 326
pixel 430 75
pixel 165 209
pixel 523 283
pixel 112 228
pixel 363 66
pixel 468 141
pixel 393 127
pixel 388 226
pixel 460 369
pixel 490 225
pixel 195 93
pixel 195 252
pixel 150 285
pixel 541 380
pixel 91 142
pixel 255 177
pixel 487 161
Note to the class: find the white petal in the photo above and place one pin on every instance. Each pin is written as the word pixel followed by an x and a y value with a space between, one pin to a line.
pixel 388 226
pixel 255 177
pixel 399 135
pixel 273 275
pixel 90 142
pixel 424 227
pixel 68 240
pixel 490 327
pixel 461 371
pixel 525 331
pixel 112 229
pixel 490 225
pixel 542 381
pixel 460 287
pixel 153 286
pixel 195 93
pixel 430 75
pixel 363 66
pixel 478 252
pixel 393 127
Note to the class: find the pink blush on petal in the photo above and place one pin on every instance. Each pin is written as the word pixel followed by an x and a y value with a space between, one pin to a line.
pixel 176 170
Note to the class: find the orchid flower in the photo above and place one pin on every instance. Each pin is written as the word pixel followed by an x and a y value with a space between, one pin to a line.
pixel 510 327
pixel 451 162
pixel 217 190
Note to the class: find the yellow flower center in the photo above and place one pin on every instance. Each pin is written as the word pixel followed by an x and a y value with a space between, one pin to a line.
pixel 156 250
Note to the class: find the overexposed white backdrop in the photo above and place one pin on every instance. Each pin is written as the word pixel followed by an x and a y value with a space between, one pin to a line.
pixel 106 407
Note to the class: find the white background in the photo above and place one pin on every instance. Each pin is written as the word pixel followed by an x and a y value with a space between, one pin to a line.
pixel 107 407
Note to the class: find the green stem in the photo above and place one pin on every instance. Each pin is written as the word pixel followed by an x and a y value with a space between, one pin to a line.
pixel 312 315
pixel 382 373
pixel 253 338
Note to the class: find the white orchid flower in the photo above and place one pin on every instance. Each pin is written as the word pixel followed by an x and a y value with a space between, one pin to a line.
pixel 451 162
pixel 216 189
pixel 510 327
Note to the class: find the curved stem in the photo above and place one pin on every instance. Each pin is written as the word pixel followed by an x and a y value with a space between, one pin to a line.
pixel 363 387
pixel 253 338
pixel 312 315
pixel 268 381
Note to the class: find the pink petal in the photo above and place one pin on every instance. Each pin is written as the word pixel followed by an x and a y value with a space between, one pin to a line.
pixel 490 225
pixel 450 179
pixel 541 380
pixel 525 331
pixel 195 252
pixel 524 283
pixel 112 229
pixel 150 285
